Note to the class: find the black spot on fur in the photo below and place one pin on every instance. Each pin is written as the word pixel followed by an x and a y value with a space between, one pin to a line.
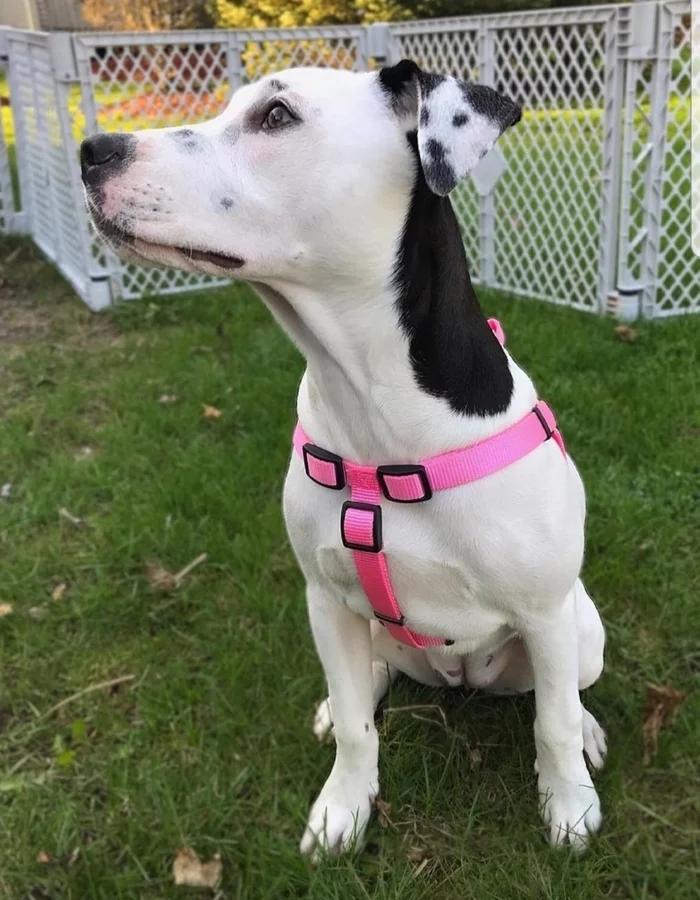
pixel 460 119
pixel 428 81
pixel 487 102
pixel 424 116
pixel 453 352
pixel 277 85
pixel 226 202
pixel 438 170
pixel 231 134
pixel 187 139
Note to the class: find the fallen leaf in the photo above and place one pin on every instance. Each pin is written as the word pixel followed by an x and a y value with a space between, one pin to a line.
pixel 166 399
pixel 190 871
pixel 210 412
pixel 662 705
pixel 73 858
pixel 159 578
pixel 416 853
pixel 5 491
pixel 43 857
pixel 627 334
pixel 5 609
pixel 60 589
pixel 83 453
pixel 383 810
pixel 162 580
pixel 475 758
pixel 38 613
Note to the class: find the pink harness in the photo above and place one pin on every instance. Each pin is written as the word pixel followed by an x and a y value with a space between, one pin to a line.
pixel 361 515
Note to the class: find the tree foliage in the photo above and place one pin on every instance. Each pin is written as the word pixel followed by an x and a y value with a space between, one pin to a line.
pixel 145 15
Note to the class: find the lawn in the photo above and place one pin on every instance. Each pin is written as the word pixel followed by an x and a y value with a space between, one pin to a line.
pixel 208 743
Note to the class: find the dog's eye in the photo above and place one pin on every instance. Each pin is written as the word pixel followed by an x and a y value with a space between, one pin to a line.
pixel 277 117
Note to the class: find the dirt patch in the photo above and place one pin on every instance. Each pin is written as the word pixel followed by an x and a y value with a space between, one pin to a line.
pixel 38 307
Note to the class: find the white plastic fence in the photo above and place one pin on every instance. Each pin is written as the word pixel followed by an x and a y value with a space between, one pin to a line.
pixel 592 211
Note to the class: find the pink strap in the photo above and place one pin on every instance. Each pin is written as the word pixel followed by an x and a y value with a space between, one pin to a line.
pixel 361 518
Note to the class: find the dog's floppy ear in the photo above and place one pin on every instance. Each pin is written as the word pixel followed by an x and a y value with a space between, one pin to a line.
pixel 457 121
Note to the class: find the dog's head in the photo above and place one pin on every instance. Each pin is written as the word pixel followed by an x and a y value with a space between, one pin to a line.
pixel 306 170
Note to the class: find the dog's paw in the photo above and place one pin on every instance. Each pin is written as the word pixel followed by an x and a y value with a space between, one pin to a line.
pixel 339 817
pixel 570 810
pixel 595 743
pixel 323 722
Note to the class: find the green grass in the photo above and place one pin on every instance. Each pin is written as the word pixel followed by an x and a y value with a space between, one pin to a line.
pixel 210 743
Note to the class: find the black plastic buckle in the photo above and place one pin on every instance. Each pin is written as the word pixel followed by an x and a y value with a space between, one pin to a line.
pixel 419 470
pixel 326 456
pixel 376 544
pixel 543 422
pixel 387 620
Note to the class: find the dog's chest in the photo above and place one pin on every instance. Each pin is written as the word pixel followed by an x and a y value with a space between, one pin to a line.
pixel 432 594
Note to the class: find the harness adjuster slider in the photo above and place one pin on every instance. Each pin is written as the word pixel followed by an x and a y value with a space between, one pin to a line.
pixel 359 526
pixel 543 422
pixel 389 620
pixel 386 473
pixel 316 464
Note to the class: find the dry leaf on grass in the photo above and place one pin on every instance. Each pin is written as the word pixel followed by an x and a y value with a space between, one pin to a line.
pixel 190 871
pixel 661 709
pixel 383 810
pixel 5 491
pixel 5 609
pixel 162 580
pixel 167 399
pixel 416 853
pixel 38 613
pixel 475 758
pixel 210 412
pixel 43 857
pixel 627 334
pixel 83 453
pixel 58 592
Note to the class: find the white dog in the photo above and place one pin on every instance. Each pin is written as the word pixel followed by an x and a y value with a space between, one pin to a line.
pixel 326 190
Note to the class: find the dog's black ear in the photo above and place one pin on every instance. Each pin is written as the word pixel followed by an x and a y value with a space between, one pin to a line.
pixel 457 121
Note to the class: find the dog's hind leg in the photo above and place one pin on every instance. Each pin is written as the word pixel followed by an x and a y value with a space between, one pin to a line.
pixel 389 660
pixel 516 677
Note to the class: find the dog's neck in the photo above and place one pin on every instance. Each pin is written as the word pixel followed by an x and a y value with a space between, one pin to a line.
pixel 401 364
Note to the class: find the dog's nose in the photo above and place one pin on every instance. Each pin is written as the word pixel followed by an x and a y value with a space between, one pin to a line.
pixel 102 154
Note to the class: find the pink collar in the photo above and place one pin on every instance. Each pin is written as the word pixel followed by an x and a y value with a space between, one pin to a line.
pixel 361 515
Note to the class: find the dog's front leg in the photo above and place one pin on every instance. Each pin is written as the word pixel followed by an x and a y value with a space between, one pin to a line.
pixel 339 816
pixel 570 805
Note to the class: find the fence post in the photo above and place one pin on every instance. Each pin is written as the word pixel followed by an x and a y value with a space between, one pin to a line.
pixel 487 202
pixel 234 63
pixel 616 48
pixel 377 45
pixel 642 165
pixel 95 280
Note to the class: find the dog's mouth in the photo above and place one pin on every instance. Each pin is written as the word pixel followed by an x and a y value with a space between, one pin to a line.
pixel 123 240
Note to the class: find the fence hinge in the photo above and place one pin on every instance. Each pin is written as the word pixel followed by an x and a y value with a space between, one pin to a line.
pixel 643 31
pixel 378 41
pixel 65 65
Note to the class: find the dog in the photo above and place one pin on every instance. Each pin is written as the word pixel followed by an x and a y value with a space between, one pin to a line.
pixel 327 191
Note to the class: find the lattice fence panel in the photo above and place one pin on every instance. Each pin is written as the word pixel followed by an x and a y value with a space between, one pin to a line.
pixel 678 273
pixel 548 203
pixel 263 52
pixel 155 81
pixel 452 53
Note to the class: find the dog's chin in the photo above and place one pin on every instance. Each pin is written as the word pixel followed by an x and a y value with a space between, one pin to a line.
pixel 151 253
